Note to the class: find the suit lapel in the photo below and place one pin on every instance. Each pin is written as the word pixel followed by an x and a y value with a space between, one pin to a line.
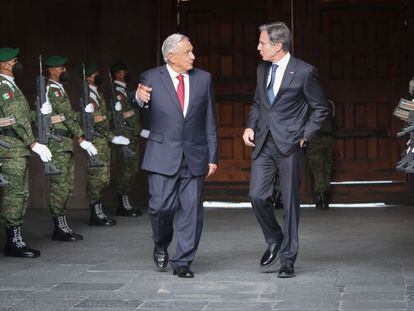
pixel 287 78
pixel 169 86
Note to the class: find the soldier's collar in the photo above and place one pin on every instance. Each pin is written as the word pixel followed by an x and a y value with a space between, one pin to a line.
pixel 11 79
pixel 120 83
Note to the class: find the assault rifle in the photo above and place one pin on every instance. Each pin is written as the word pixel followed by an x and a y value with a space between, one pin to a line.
pixel 44 121
pixel 88 120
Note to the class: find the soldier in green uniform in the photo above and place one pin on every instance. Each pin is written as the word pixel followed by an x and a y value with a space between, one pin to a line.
pixel 98 177
pixel 320 160
pixel 127 168
pixel 15 160
pixel 65 123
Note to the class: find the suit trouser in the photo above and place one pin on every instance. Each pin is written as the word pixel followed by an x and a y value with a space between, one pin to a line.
pixel 268 163
pixel 179 195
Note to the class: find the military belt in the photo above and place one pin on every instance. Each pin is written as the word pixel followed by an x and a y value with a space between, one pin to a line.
pixel 9 132
pixel 58 118
pixel 99 118
pixel 129 113
pixel 63 133
pixel 7 121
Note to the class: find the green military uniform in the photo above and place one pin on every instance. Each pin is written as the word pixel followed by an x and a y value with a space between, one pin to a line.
pixel 320 160
pixel 127 168
pixel 65 124
pixel 15 160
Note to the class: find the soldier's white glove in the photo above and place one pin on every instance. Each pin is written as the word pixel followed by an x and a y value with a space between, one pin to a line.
pixel 89 108
pixel 89 147
pixel 43 152
pixel 118 106
pixel 120 140
pixel 46 108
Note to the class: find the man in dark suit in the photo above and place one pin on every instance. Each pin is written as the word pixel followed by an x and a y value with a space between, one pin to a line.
pixel 181 150
pixel 279 127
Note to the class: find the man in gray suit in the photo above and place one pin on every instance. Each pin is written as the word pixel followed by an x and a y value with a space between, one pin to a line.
pixel 181 151
pixel 279 127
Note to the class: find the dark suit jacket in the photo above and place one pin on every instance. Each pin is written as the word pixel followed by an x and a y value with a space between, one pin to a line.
pixel 171 134
pixel 288 118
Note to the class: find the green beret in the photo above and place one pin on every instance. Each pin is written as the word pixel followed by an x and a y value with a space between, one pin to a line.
pixel 7 54
pixel 56 61
pixel 90 69
pixel 118 67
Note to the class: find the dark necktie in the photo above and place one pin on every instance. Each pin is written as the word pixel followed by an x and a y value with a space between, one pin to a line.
pixel 180 90
pixel 269 90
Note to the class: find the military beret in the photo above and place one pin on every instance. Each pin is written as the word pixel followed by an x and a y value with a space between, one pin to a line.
pixel 56 61
pixel 118 67
pixel 90 69
pixel 7 54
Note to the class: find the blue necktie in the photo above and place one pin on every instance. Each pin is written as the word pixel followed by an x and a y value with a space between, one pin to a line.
pixel 269 89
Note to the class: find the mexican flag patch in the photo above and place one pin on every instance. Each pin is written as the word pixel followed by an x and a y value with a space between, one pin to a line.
pixel 57 93
pixel 119 97
pixel 7 95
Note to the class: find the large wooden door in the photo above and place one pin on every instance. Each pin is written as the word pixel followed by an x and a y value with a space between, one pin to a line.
pixel 356 45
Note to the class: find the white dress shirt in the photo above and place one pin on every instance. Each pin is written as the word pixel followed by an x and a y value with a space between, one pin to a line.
pixel 280 71
pixel 174 79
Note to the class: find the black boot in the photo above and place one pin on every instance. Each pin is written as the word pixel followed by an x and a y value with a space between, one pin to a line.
pixel 15 246
pixel 322 201
pixel 125 208
pixel 98 218
pixel 62 231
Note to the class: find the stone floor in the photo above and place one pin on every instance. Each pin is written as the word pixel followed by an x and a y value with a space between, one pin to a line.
pixel 350 259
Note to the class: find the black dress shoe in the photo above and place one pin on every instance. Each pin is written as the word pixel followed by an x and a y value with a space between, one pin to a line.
pixel 22 252
pixel 183 272
pixel 271 255
pixel 59 235
pixel 161 258
pixel 286 271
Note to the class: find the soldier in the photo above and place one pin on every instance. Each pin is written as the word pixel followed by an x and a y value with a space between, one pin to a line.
pixel 65 124
pixel 127 168
pixel 320 160
pixel 15 160
pixel 98 177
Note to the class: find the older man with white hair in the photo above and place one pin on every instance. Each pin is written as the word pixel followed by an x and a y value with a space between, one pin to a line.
pixel 181 151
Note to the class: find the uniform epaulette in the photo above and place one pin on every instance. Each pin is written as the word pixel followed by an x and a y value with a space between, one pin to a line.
pixel 93 95
pixel 8 83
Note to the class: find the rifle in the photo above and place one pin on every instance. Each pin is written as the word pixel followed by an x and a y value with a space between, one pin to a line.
pixel 118 119
pixel 44 122
pixel 88 121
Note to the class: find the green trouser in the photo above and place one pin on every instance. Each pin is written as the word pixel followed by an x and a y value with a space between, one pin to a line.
pixel 16 193
pixel 61 186
pixel 320 160
pixel 98 177
pixel 126 168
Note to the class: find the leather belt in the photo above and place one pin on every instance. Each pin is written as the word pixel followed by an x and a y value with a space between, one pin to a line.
pixel 63 133
pixel 9 132
pixel 58 118
pixel 129 113
pixel 7 121
pixel 99 118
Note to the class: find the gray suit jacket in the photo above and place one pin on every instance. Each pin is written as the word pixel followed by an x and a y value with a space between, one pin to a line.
pixel 288 117
pixel 171 134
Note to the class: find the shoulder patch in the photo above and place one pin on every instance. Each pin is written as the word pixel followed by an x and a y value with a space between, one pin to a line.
pixel 120 97
pixel 6 95
pixel 8 83
pixel 57 93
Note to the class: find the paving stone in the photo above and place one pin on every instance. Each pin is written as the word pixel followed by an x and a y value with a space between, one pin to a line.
pixel 237 306
pixel 87 286
pixel 372 304
pixel 101 303
pixel 173 305
pixel 42 304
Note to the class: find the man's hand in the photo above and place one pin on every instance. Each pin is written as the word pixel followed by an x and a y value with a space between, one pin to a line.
pixel 211 169
pixel 143 93
pixel 248 137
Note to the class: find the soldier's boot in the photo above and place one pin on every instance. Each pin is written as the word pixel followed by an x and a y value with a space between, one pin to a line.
pixel 62 231
pixel 322 201
pixel 16 247
pixel 98 218
pixel 125 208
pixel 277 200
